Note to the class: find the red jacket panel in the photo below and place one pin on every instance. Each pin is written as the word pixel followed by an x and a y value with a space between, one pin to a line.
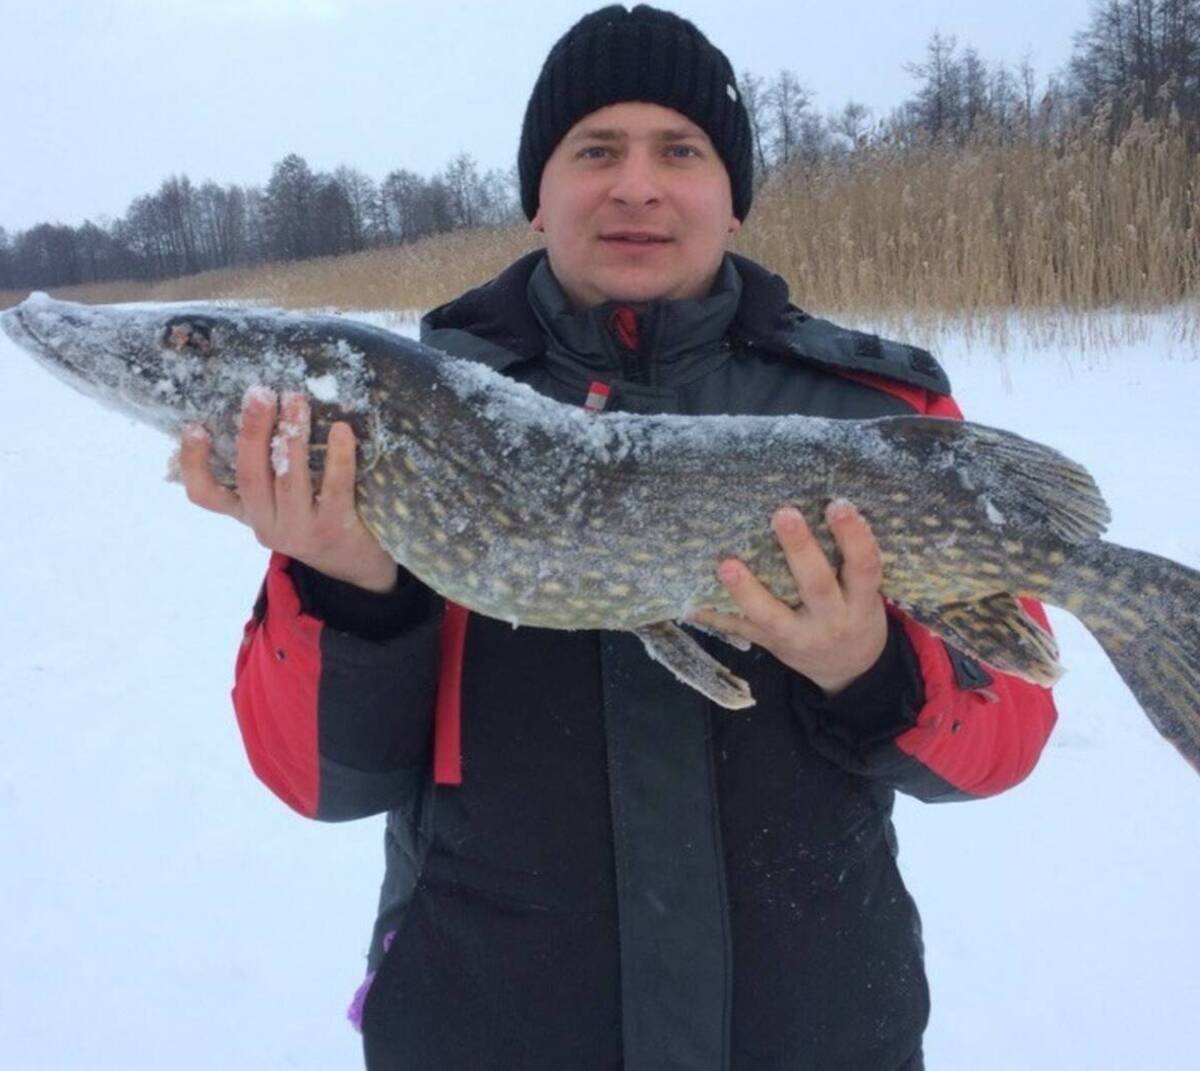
pixel 275 692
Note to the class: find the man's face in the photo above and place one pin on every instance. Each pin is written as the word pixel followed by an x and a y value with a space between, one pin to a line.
pixel 635 205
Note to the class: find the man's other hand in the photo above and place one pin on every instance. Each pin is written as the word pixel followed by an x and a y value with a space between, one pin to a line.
pixel 839 630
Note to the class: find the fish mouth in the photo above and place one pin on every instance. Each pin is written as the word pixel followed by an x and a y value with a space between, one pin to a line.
pixel 17 324
pixel 56 335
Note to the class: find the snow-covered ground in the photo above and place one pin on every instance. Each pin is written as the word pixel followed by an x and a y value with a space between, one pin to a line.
pixel 159 908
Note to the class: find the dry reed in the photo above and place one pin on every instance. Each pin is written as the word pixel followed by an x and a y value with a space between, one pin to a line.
pixel 415 276
pixel 942 230
pixel 917 237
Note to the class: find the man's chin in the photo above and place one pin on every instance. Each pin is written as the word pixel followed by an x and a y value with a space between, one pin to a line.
pixel 625 290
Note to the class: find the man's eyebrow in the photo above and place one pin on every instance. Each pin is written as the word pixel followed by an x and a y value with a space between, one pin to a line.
pixel 612 134
pixel 679 134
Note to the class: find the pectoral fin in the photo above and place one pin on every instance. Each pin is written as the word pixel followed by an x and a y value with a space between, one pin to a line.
pixel 736 642
pixel 668 644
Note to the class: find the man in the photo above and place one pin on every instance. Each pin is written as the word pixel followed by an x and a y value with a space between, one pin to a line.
pixel 588 865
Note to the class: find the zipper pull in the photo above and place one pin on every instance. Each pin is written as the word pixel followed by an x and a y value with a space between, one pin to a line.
pixel 597 397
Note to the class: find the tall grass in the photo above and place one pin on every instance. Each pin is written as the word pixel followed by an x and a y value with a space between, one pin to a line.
pixel 415 276
pixel 926 232
pixel 1080 226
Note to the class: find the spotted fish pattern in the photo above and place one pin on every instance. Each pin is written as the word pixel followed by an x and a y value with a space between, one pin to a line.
pixel 541 514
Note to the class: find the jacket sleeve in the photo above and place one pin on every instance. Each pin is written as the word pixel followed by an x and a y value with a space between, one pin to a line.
pixel 929 729
pixel 927 721
pixel 334 691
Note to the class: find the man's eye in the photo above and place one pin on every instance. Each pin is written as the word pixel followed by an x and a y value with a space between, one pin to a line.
pixel 594 152
pixel 681 152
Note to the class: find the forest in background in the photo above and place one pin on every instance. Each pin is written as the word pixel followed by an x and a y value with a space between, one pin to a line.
pixel 987 188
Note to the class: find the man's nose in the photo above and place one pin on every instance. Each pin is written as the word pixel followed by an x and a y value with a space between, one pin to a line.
pixel 636 182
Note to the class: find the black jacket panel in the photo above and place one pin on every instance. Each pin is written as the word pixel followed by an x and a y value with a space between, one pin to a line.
pixel 654 881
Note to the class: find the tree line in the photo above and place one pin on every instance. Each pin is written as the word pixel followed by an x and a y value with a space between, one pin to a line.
pixel 184 228
pixel 1135 60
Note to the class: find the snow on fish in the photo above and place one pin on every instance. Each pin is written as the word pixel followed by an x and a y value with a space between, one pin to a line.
pixel 542 514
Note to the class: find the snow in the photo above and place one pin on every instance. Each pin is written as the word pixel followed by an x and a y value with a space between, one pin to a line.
pixel 323 388
pixel 159 908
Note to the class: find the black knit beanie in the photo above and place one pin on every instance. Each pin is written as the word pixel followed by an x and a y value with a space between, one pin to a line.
pixel 614 55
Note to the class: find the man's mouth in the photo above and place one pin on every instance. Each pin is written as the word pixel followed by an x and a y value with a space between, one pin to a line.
pixel 635 238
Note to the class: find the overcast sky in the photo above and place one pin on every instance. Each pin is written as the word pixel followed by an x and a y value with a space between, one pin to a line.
pixel 103 100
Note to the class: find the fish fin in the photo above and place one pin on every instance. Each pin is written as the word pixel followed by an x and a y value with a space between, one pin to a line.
pixel 669 645
pixel 1061 490
pixel 1144 610
pixel 996 630
pixel 1037 479
pixel 738 643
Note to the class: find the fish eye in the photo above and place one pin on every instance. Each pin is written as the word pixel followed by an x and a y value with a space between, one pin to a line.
pixel 191 335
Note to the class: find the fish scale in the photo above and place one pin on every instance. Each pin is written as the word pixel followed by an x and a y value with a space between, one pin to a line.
pixel 541 514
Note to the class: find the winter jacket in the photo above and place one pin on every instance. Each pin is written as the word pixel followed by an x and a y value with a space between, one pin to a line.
pixel 588 865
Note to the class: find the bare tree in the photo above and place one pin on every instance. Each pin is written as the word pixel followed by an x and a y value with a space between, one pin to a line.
pixel 754 98
pixel 255 230
pixel 1028 89
pixel 937 105
pixel 177 198
pixel 1138 57
pixel 144 230
pixel 47 255
pixel 288 207
pixel 220 225
pixel 1179 22
pixel 788 104
pixel 500 199
pixel 332 220
pixel 1004 102
pixel 400 196
pixel 851 123
pixel 229 211
pixel 435 207
pixel 974 108
pixel 362 195
pixel 463 185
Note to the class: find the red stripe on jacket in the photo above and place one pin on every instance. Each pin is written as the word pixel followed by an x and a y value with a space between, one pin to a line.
pixel 447 717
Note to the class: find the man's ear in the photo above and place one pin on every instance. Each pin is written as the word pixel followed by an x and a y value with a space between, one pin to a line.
pixel 537 224
pixel 735 224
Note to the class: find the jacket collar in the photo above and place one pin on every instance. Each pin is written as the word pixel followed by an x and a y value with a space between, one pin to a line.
pixel 508 318
pixel 665 342
pixel 498 325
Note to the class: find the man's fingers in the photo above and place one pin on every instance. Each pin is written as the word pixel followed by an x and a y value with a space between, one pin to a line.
pixel 729 624
pixel 862 565
pixel 255 478
pixel 195 469
pixel 289 461
pixel 768 613
pixel 814 576
pixel 337 484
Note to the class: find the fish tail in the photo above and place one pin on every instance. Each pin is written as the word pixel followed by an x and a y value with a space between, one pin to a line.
pixel 1145 612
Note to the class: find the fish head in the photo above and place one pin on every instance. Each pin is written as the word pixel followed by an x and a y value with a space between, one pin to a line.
pixel 171 366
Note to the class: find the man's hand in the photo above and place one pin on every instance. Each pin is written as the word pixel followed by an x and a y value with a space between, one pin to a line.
pixel 839 630
pixel 322 530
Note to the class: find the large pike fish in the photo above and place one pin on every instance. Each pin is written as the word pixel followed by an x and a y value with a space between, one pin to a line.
pixel 530 511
